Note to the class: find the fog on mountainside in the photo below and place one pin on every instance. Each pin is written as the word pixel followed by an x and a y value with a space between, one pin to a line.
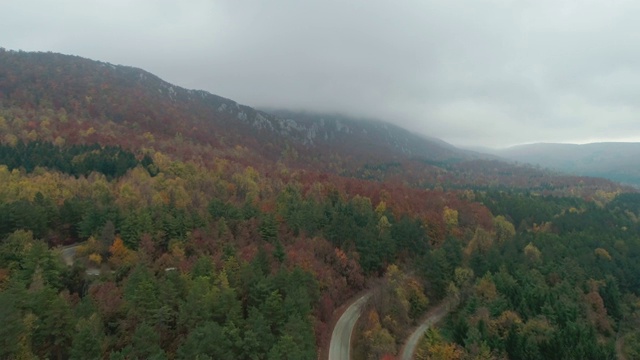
pixel 617 161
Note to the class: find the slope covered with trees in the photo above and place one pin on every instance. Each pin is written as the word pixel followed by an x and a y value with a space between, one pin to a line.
pixel 564 287
pixel 191 254
pixel 67 99
pixel 206 228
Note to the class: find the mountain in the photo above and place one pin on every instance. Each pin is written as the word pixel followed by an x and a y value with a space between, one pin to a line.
pixel 133 97
pixel 617 161
pixel 373 137
pixel 68 99
pixel 198 227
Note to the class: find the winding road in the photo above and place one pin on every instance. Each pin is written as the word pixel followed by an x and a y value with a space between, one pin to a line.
pixel 69 253
pixel 340 346
pixel 435 315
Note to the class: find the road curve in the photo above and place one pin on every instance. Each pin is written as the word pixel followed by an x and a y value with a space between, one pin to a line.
pixel 68 253
pixel 435 315
pixel 340 346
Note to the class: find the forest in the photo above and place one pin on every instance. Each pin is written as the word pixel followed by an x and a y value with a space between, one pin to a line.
pixel 127 232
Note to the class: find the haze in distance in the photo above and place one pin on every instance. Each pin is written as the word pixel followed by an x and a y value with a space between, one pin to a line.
pixel 472 73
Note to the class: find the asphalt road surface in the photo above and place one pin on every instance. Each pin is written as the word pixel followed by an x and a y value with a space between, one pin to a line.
pixel 340 346
pixel 69 253
pixel 434 316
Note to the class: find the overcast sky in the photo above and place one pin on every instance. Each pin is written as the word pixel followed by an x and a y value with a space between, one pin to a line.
pixel 472 72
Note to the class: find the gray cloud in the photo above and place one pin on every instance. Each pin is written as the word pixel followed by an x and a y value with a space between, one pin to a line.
pixel 473 72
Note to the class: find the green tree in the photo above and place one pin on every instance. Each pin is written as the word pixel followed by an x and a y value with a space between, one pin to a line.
pixel 199 303
pixel 204 342
pixel 13 330
pixel 54 327
pixel 87 341
pixel 145 344
pixel 258 336
pixel 269 228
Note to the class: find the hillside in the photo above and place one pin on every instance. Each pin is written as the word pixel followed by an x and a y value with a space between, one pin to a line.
pixel 616 161
pixel 68 99
pixel 374 137
pixel 195 227
pixel 131 96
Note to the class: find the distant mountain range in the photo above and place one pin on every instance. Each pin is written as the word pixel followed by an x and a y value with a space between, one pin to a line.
pixel 617 161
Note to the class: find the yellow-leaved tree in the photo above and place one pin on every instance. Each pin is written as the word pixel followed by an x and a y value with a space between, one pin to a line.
pixel 433 347
pixel 120 255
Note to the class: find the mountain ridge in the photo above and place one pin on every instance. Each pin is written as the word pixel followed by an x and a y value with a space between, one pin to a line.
pixel 204 106
pixel 618 161
pixel 68 99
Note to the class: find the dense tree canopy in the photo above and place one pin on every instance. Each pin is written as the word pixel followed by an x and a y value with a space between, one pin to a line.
pixel 140 222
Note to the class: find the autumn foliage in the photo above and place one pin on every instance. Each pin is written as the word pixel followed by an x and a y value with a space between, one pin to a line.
pixel 200 227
